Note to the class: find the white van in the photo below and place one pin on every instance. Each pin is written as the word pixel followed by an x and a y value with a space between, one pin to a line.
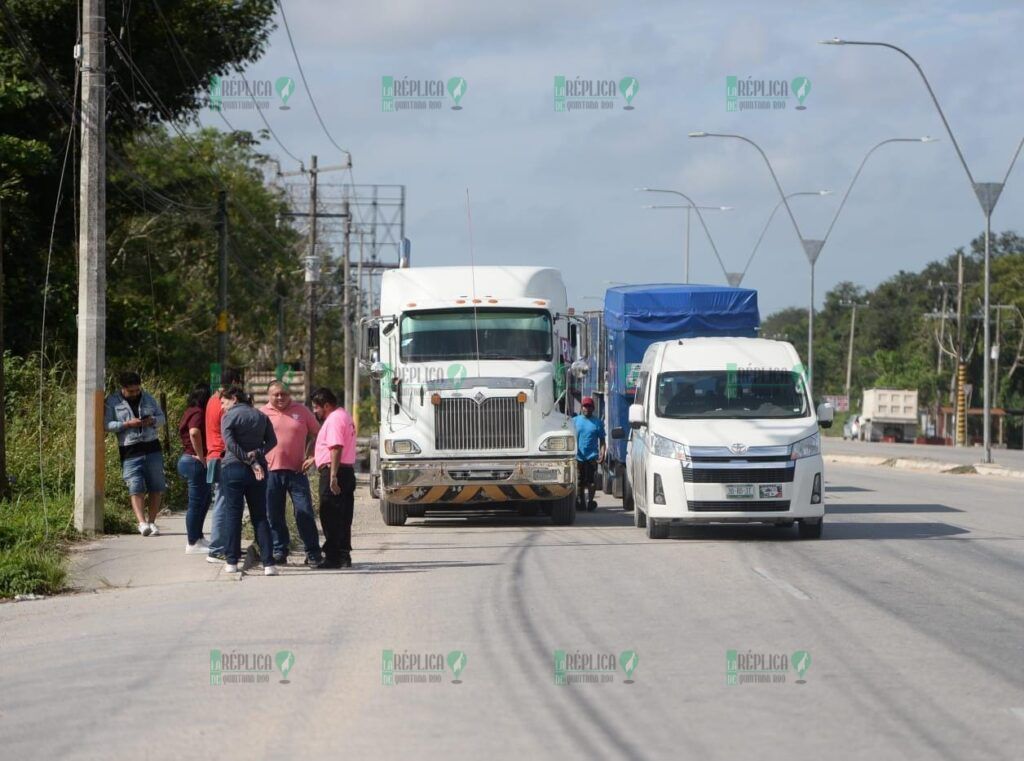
pixel 723 431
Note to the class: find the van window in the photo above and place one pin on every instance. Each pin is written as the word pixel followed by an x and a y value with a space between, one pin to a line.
pixel 641 387
pixel 746 393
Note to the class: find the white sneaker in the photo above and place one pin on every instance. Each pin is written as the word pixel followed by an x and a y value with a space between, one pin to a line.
pixel 144 529
pixel 153 530
pixel 231 568
pixel 271 570
pixel 199 548
pixel 212 559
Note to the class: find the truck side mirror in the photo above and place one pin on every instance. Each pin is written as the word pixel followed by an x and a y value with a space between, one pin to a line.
pixel 826 414
pixel 618 433
pixel 369 339
pixel 637 418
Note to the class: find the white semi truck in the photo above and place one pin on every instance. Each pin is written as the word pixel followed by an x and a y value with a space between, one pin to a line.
pixel 476 367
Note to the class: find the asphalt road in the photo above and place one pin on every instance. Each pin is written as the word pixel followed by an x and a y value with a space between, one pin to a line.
pixel 911 609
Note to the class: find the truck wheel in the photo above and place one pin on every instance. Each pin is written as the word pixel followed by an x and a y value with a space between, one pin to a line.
pixel 657 529
pixel 393 514
pixel 606 480
pixel 639 518
pixel 563 511
pixel 418 511
pixel 627 495
pixel 809 530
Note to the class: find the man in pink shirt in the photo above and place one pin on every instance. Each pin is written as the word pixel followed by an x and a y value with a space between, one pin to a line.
pixel 295 429
pixel 335 456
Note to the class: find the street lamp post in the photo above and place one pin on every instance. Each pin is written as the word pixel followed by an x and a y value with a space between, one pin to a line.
pixel 768 223
pixel 688 208
pixel 812 246
pixel 691 206
pixel 987 194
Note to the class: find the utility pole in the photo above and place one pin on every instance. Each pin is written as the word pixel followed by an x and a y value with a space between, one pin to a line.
pixel 312 278
pixel 849 356
pixel 222 279
pixel 961 370
pixel 92 276
pixel 5 484
pixel 358 316
pixel 346 290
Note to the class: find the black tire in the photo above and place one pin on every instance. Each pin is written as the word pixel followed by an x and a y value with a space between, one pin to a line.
pixel 563 511
pixel 416 511
pixel 393 514
pixel 657 529
pixel 528 509
pixel 810 530
pixel 545 507
pixel 639 518
pixel 606 480
pixel 627 495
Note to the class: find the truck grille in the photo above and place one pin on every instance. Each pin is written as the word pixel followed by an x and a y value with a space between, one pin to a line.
pixel 495 423
pixel 737 475
pixel 738 506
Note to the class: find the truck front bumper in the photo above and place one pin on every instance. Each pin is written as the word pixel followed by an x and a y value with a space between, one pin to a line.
pixel 423 482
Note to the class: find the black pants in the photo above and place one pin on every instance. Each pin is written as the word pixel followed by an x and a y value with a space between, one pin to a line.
pixel 336 512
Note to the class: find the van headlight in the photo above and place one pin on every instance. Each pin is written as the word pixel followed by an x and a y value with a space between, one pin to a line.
pixel 564 443
pixel 401 446
pixel 668 448
pixel 806 447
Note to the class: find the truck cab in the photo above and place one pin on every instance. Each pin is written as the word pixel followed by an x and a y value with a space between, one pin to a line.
pixel 722 430
pixel 474 368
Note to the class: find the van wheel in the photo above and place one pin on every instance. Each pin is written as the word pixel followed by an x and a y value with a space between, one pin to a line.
pixel 417 511
pixel 811 530
pixel 657 529
pixel 393 514
pixel 563 511
pixel 627 495
pixel 639 518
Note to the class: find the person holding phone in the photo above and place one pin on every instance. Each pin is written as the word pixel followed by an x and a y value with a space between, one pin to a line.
pixel 134 416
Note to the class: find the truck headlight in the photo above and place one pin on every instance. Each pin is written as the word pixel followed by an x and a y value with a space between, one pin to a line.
pixel 401 446
pixel 668 448
pixel 558 444
pixel 806 447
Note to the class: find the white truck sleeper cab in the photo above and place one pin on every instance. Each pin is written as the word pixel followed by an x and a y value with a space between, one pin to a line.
pixel 723 431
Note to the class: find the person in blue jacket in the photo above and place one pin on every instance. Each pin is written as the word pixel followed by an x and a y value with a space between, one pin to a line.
pixel 590 450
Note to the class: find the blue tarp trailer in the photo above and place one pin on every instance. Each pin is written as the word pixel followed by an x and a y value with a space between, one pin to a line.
pixel 635 316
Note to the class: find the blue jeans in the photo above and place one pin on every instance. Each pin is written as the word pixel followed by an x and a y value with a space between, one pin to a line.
pixel 194 473
pixel 281 483
pixel 144 474
pixel 241 488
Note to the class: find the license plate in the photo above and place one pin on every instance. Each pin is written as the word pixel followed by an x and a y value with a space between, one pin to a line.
pixel 739 491
pixel 769 491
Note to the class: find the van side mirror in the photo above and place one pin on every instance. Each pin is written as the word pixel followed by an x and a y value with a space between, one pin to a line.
pixel 826 414
pixel 618 433
pixel 637 418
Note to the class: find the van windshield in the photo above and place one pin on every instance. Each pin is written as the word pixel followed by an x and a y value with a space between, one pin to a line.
pixel 454 334
pixel 745 393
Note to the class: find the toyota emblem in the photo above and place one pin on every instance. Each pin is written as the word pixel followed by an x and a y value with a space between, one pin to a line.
pixel 737 448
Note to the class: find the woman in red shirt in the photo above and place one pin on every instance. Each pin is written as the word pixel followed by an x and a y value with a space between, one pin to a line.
pixel 192 467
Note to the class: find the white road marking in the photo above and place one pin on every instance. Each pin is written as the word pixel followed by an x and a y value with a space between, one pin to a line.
pixel 785 586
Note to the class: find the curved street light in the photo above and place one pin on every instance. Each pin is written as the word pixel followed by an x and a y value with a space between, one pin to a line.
pixel 688 206
pixel 771 217
pixel 812 247
pixel 987 194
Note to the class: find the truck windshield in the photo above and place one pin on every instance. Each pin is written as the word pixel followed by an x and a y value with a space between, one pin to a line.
pixel 745 393
pixel 497 334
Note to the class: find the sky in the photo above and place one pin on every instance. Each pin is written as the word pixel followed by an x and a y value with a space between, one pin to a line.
pixel 558 188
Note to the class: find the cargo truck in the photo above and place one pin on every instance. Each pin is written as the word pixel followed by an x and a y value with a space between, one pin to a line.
pixel 636 316
pixel 475 367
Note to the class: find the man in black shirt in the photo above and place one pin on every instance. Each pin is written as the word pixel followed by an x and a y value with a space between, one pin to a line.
pixel 135 417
